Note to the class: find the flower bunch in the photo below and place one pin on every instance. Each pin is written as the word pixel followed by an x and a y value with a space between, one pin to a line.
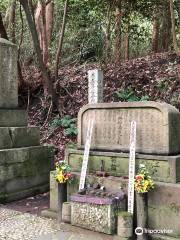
pixel 143 182
pixel 63 172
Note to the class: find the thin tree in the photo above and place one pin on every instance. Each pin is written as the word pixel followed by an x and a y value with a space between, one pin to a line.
pixel 61 37
pixel 175 45
pixel 117 46
pixel 48 89
pixel 155 32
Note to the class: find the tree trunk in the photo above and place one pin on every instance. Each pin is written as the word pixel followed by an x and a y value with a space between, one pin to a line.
pixel 107 33
pixel 165 35
pixel 117 47
pixel 44 26
pixel 12 17
pixel 49 20
pixel 175 45
pixel 44 35
pixel 155 33
pixel 177 4
pixel 38 22
pixel 126 42
pixel 62 31
pixel 48 90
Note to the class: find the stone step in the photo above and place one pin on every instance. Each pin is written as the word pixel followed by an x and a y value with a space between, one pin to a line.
pixel 24 169
pixel 15 137
pixel 13 118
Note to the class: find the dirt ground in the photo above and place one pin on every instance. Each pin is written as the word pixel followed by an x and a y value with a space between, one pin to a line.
pixel 33 205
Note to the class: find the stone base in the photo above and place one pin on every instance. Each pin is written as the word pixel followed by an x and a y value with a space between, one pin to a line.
pixel 96 213
pixel 161 168
pixel 116 237
pixel 15 137
pixel 13 118
pixel 9 197
pixel 160 237
pixel 163 205
pixel 49 214
pixel 24 171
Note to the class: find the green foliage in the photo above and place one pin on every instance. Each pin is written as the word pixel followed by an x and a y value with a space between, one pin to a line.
pixel 130 96
pixel 68 123
pixel 71 130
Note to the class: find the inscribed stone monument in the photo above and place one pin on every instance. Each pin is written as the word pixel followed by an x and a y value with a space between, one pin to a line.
pixel 158 127
pixel 8 74
pixel 95 86
pixel 24 164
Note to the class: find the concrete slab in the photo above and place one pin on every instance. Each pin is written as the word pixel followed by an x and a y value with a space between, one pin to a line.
pixel 69 232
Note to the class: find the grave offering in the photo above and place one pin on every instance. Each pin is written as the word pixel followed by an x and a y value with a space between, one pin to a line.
pixel 158 127
pixel 24 164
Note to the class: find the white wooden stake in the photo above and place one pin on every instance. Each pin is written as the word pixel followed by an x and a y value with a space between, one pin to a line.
pixel 132 167
pixel 86 154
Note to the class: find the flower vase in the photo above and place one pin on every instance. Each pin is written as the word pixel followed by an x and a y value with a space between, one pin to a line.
pixel 142 215
pixel 62 197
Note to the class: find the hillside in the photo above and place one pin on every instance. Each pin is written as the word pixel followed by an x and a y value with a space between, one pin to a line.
pixel 155 77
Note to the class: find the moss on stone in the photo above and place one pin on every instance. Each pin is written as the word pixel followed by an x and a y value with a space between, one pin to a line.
pixel 3 197
pixel 124 214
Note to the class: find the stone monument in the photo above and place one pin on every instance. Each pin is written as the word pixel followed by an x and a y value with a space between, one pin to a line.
pixel 158 127
pixel 157 147
pixel 24 164
pixel 95 86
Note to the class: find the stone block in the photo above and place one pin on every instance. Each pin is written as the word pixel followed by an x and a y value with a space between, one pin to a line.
pixel 22 169
pixel 158 127
pixel 162 168
pixel 164 208
pixel 15 137
pixel 53 192
pixel 125 225
pixel 13 118
pixel 99 216
pixel 66 212
pixel 8 75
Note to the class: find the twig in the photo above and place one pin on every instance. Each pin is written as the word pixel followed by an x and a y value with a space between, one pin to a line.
pixel 28 100
pixel 49 112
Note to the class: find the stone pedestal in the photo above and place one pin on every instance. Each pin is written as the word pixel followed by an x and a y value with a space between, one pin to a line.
pixel 142 214
pixel 125 225
pixel 96 213
pixel 8 75
pixel 24 164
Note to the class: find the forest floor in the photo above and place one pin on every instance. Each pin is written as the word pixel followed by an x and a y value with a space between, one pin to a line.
pixel 154 77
